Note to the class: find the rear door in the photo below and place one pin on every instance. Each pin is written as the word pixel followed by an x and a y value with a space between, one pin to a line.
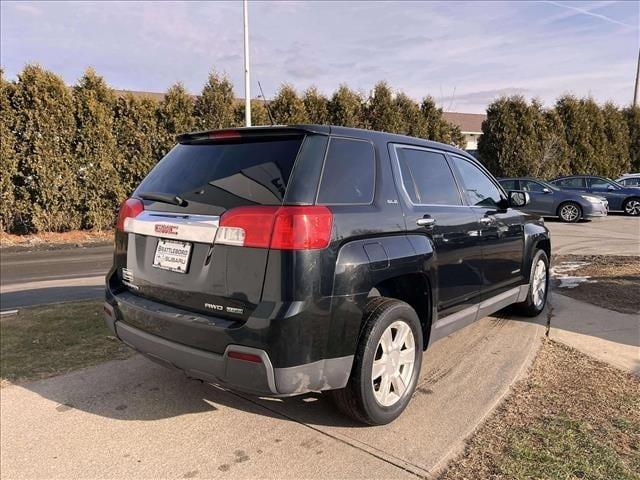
pixel 433 206
pixel 501 228
pixel 169 254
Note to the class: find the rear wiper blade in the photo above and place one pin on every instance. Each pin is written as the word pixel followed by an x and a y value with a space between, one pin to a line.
pixel 164 198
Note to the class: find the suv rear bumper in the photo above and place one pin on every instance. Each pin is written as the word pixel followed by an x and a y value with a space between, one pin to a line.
pixel 237 374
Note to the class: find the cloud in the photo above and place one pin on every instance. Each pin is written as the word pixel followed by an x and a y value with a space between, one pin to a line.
pixel 29 9
pixel 588 12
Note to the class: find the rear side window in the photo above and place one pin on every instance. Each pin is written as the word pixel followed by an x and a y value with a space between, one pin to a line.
pixel 348 176
pixel 570 182
pixel 595 182
pixel 509 184
pixel 631 182
pixel 529 186
pixel 226 175
pixel 427 178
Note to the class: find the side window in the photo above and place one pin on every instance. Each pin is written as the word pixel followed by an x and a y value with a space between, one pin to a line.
pixel 481 191
pixel 509 184
pixel 529 186
pixel 631 182
pixel 427 178
pixel 571 182
pixel 596 182
pixel 349 173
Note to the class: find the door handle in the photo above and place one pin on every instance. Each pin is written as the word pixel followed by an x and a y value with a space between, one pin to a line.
pixel 486 220
pixel 426 222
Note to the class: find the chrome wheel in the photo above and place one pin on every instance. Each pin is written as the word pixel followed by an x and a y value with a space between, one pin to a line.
pixel 539 285
pixel 569 212
pixel 632 207
pixel 393 363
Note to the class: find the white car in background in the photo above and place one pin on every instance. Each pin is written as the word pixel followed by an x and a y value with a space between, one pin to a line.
pixel 629 180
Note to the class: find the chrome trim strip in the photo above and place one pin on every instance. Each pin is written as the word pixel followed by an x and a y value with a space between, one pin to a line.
pixel 486 307
pixel 192 228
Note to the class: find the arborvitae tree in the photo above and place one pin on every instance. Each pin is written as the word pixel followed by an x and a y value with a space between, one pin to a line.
pixel 554 159
pixel 215 107
pixel 8 157
pixel 616 131
pixel 287 107
pixel 381 111
pixel 97 152
pixel 632 117
pixel 135 129
pixel 259 115
pixel 316 106
pixel 174 116
pixel 437 128
pixel 46 190
pixel 411 120
pixel 346 108
pixel 583 124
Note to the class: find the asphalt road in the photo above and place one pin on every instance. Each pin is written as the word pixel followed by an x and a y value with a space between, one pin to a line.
pixel 52 276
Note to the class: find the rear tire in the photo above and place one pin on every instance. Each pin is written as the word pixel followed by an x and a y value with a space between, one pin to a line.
pixel 386 365
pixel 632 207
pixel 570 212
pixel 538 287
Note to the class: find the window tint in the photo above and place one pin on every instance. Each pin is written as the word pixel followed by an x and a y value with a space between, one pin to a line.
pixel 349 173
pixel 481 191
pixel 595 182
pixel 427 178
pixel 509 184
pixel 529 186
pixel 226 175
pixel 571 182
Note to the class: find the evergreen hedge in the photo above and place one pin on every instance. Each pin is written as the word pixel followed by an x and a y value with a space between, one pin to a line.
pixel 70 156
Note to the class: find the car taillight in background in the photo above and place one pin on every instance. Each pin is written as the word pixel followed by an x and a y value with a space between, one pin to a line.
pixel 281 228
pixel 130 208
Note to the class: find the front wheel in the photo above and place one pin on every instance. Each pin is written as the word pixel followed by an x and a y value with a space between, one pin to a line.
pixel 632 207
pixel 570 212
pixel 538 286
pixel 386 366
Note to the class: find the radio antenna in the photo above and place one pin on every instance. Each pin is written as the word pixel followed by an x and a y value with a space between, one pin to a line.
pixel 266 104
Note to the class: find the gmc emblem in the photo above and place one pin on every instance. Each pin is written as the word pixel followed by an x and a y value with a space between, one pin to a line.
pixel 166 229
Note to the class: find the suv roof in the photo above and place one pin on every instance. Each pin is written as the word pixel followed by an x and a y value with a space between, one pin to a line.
pixel 322 130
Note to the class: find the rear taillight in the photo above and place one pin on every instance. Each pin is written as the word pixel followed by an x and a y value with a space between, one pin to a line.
pixel 281 228
pixel 130 208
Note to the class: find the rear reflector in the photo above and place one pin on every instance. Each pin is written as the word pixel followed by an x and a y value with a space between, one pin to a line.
pixel 130 208
pixel 281 228
pixel 247 357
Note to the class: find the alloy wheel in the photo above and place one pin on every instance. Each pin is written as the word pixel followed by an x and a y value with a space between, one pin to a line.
pixel 539 286
pixel 569 212
pixel 393 363
pixel 632 207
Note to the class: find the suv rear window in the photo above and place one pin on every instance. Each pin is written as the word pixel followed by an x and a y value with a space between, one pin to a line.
pixel 226 175
pixel 349 173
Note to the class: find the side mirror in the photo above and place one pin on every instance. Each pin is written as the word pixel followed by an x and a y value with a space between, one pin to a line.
pixel 546 190
pixel 610 187
pixel 518 199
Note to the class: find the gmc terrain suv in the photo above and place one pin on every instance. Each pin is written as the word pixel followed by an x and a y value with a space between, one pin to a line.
pixel 282 260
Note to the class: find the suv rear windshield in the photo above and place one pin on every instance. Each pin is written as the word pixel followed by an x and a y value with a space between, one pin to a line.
pixel 226 175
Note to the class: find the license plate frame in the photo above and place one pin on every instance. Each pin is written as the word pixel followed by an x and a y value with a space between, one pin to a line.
pixel 173 261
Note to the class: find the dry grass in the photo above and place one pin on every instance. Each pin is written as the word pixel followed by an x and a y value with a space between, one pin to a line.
pixel 53 239
pixel 617 281
pixel 573 418
pixel 51 340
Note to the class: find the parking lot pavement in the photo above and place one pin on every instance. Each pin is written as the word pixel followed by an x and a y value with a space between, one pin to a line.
pixel 135 419
pixel 614 234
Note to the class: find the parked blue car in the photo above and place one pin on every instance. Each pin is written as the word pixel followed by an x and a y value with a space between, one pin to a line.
pixel 548 200
pixel 621 198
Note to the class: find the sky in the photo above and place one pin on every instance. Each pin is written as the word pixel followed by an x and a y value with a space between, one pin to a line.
pixel 464 54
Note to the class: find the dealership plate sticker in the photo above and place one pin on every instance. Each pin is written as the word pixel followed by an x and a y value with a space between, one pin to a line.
pixel 172 255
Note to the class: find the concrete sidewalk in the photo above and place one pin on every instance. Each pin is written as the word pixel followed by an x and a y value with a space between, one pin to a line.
pixel 604 334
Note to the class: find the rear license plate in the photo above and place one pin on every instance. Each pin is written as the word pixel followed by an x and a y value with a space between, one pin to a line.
pixel 172 255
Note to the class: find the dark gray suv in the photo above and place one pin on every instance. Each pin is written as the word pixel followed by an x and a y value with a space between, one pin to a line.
pixel 547 200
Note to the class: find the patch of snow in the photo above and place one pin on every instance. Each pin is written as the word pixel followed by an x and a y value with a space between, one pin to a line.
pixel 561 271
